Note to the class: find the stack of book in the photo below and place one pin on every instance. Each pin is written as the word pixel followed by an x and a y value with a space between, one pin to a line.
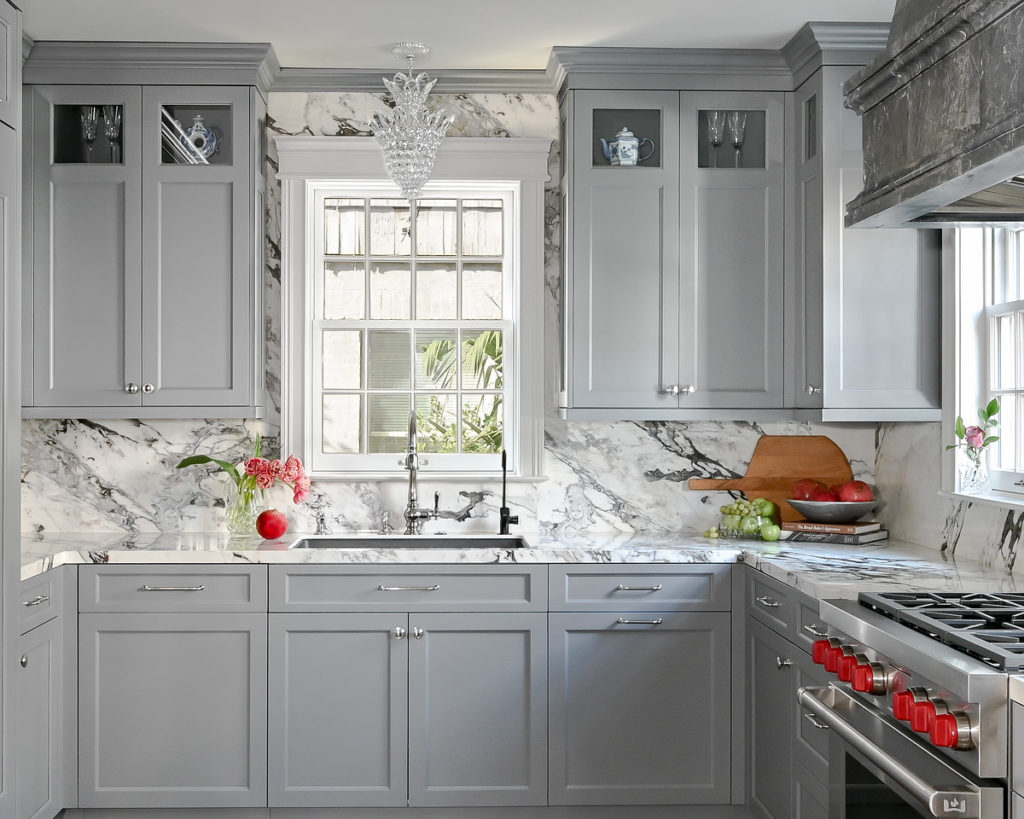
pixel 851 534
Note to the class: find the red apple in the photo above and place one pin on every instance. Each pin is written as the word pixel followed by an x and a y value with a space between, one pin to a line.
pixel 823 495
pixel 271 524
pixel 855 491
pixel 802 489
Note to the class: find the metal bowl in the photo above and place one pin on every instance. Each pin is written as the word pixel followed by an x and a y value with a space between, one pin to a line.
pixel 833 511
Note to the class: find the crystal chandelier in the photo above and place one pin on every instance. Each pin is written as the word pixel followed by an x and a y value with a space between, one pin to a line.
pixel 409 133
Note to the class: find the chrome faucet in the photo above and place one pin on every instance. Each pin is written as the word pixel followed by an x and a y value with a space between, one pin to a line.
pixel 414 515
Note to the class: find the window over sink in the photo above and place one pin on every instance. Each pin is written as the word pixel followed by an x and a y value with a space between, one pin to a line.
pixel 432 307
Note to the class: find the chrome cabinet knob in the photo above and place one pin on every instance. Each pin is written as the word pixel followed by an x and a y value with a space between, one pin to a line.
pixel 418 633
pixel 689 389
pixel 783 663
pixel 398 633
pixel 812 390
pixel 131 388
pixel 148 388
pixel 672 389
pixel 24 660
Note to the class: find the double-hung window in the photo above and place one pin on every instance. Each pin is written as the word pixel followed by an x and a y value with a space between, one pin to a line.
pixel 990 343
pixel 429 309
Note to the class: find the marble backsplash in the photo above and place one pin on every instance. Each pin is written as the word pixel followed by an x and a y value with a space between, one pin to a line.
pixel 119 476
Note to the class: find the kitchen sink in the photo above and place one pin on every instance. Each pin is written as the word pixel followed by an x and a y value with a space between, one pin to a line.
pixel 369 541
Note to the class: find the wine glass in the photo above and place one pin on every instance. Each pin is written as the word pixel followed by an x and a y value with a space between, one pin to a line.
pixel 737 131
pixel 112 130
pixel 716 133
pixel 90 118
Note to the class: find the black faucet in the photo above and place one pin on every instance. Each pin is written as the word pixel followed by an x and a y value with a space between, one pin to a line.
pixel 505 518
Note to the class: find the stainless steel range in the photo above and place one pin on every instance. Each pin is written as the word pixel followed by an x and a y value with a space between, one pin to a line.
pixel 917 708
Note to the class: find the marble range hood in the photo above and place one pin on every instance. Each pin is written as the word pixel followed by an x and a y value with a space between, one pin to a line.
pixel 943 117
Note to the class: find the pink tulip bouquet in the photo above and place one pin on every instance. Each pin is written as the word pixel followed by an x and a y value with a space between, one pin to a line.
pixel 973 439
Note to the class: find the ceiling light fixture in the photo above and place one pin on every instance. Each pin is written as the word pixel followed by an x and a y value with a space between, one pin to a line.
pixel 408 132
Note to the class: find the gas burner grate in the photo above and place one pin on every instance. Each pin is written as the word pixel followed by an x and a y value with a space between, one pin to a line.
pixel 987 626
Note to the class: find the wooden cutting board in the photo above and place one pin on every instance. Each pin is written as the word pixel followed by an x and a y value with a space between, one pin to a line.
pixel 778 462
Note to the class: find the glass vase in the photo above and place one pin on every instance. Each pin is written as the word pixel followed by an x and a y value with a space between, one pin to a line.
pixel 242 510
pixel 971 475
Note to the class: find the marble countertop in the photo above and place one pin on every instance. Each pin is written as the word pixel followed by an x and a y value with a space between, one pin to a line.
pixel 821 570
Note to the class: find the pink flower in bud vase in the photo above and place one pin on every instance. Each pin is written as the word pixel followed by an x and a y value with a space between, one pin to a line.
pixel 975 437
pixel 292 469
pixel 265 480
pixel 276 468
pixel 300 495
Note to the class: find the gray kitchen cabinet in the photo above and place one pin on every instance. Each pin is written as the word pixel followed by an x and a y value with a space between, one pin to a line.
pixel 673 269
pixel 788 754
pixel 10 65
pixel 172 710
pixel 40 682
pixel 639 708
pixel 148 249
pixel 864 339
pixel 408 705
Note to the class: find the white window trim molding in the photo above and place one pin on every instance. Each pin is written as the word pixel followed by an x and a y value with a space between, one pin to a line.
pixel 461 161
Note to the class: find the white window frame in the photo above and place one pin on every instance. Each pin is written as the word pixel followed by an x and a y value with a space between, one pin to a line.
pixel 464 163
pixel 972 261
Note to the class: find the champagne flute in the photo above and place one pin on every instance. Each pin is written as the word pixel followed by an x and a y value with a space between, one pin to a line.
pixel 112 130
pixel 716 133
pixel 90 118
pixel 737 131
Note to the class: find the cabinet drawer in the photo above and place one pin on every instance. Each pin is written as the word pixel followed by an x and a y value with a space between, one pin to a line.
pixel 40 599
pixel 701 587
pixel 172 588
pixel 771 602
pixel 809 625
pixel 408 588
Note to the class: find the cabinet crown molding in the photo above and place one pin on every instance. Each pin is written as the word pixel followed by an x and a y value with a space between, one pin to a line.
pixel 449 81
pixel 817 44
pixel 52 62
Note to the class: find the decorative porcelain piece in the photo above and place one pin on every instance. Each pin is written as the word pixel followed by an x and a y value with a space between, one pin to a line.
pixel 625 148
pixel 205 141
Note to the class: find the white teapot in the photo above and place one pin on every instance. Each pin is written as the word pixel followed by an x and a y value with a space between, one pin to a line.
pixel 625 148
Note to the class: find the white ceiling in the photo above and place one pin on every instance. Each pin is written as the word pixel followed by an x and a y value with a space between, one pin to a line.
pixel 464 34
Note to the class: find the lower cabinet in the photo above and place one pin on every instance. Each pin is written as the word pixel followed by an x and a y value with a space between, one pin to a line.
pixel 639 706
pixel 172 710
pixel 40 675
pixel 425 709
pixel 788 765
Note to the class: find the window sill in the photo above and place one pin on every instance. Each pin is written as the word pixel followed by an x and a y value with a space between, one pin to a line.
pixel 426 476
pixel 994 497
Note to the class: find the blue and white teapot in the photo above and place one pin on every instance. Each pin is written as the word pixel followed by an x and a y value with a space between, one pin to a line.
pixel 625 148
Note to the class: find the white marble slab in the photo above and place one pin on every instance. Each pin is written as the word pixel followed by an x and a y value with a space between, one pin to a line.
pixel 823 571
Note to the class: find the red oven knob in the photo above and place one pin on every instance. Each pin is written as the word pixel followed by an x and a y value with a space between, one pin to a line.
pixel 820 649
pixel 923 714
pixel 870 678
pixel 952 730
pixel 847 664
pixel 903 701
pixel 834 655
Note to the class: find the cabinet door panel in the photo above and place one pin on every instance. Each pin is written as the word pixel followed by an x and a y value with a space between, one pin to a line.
pixel 772 688
pixel 10 65
pixel 338 729
pixel 731 261
pixel 39 695
pixel 639 714
pixel 172 710
pixel 198 262
pixel 477 717
pixel 87 228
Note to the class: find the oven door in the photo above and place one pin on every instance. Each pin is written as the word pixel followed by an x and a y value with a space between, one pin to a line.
pixel 876 769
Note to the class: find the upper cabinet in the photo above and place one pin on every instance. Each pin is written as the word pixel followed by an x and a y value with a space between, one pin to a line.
pixel 708 275
pixel 864 301
pixel 674 265
pixel 145 205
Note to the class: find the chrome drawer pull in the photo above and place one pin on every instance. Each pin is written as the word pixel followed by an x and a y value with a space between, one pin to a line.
pixel 173 588
pixel 35 601
pixel 408 588
pixel 622 621
pixel 815 722
pixel 638 588
pixel 783 663
pixel 768 603
pixel 814 631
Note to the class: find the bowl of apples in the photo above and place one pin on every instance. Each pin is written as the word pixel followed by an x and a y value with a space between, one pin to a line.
pixel 842 503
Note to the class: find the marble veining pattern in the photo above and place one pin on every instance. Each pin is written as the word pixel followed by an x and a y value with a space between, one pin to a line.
pixel 117 477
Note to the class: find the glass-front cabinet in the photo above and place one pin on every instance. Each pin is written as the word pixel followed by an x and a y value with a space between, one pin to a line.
pixel 673 252
pixel 146 205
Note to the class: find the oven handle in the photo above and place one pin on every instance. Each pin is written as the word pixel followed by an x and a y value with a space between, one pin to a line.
pixel 938 803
